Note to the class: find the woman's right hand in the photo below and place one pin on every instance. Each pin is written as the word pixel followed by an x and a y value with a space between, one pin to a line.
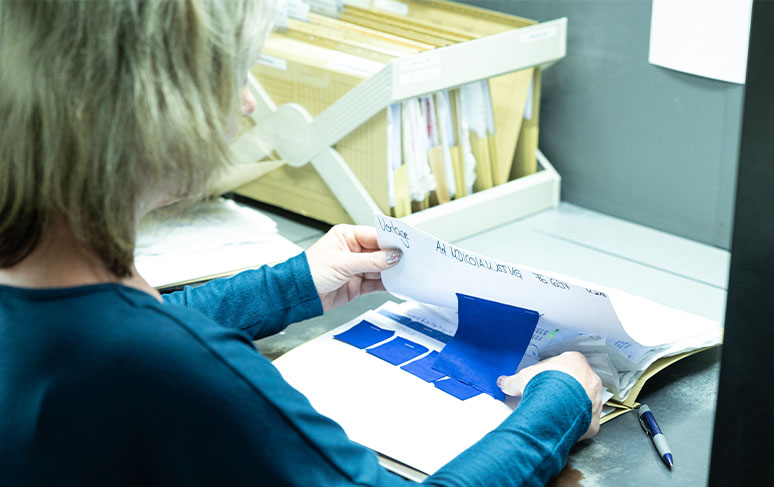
pixel 576 366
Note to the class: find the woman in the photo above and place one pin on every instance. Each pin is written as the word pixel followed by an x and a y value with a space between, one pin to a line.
pixel 107 111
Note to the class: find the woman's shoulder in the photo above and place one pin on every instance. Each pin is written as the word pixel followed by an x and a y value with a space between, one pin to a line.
pixel 128 333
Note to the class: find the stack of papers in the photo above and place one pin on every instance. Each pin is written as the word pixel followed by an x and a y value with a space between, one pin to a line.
pixel 213 239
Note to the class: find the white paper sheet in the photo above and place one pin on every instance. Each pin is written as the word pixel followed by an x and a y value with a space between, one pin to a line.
pixel 385 408
pixel 433 271
pixel 703 37
pixel 213 238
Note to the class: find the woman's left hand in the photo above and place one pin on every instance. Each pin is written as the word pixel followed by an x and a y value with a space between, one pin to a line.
pixel 347 262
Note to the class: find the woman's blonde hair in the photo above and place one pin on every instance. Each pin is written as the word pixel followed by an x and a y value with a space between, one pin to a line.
pixel 104 103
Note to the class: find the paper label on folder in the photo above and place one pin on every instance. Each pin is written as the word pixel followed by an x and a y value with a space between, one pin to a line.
pixel 353 64
pixel 536 35
pixel 274 62
pixel 391 6
pixel 419 68
pixel 433 271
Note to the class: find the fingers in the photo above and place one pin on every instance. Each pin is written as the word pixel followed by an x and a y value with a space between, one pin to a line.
pixel 371 262
pixel 512 385
pixel 371 286
pixel 362 242
pixel 576 366
pixel 358 237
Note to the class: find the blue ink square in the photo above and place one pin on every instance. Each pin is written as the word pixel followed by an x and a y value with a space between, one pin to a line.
pixel 364 334
pixel 398 351
pixel 458 389
pixel 423 368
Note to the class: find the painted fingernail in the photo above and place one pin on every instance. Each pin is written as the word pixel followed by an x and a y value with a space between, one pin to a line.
pixel 393 256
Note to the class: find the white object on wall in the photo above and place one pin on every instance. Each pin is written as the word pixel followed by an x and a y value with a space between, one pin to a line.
pixel 703 37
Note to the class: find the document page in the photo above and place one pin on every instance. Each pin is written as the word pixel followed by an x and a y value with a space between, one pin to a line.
pixel 433 271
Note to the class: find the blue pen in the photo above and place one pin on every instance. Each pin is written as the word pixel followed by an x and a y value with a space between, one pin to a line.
pixel 650 426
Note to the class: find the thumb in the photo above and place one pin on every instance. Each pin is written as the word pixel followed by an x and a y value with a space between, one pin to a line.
pixel 512 385
pixel 361 262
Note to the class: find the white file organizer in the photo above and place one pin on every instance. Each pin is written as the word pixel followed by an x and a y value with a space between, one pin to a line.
pixel 299 138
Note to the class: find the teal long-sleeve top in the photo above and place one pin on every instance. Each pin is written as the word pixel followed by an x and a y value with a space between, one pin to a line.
pixel 105 385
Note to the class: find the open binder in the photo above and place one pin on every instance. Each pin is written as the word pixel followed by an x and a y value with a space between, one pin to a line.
pixel 385 376
pixel 338 90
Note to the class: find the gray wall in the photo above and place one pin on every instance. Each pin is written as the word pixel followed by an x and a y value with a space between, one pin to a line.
pixel 634 140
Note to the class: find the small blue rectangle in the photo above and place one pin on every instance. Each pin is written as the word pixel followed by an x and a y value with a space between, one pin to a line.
pixel 398 351
pixel 458 389
pixel 423 368
pixel 364 334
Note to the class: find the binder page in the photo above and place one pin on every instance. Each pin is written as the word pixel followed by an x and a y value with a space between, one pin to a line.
pixel 433 271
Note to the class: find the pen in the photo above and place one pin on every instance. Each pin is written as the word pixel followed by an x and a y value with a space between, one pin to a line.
pixel 650 426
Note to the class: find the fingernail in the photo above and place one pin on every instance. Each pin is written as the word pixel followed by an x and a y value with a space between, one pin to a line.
pixel 393 256
pixel 500 381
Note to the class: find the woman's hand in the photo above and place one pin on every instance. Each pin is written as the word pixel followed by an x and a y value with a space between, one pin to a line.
pixel 346 262
pixel 576 366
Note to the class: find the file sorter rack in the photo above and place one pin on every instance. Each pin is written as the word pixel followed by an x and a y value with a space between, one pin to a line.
pixel 298 138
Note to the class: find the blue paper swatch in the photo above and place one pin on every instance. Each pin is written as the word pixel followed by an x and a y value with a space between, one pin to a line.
pixel 456 388
pixel 490 341
pixel 423 368
pixel 364 334
pixel 398 351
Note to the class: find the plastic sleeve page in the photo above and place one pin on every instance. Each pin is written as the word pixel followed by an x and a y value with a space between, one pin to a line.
pixel 433 271
pixel 543 344
pixel 605 359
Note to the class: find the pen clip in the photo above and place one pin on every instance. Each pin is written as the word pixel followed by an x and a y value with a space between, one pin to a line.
pixel 643 424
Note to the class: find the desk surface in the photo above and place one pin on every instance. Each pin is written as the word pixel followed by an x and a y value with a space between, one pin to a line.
pixel 591 246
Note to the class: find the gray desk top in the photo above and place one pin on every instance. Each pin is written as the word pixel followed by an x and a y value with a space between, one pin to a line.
pixel 667 269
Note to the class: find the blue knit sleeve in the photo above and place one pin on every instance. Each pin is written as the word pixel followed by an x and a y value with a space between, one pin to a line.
pixel 260 302
pixel 532 444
